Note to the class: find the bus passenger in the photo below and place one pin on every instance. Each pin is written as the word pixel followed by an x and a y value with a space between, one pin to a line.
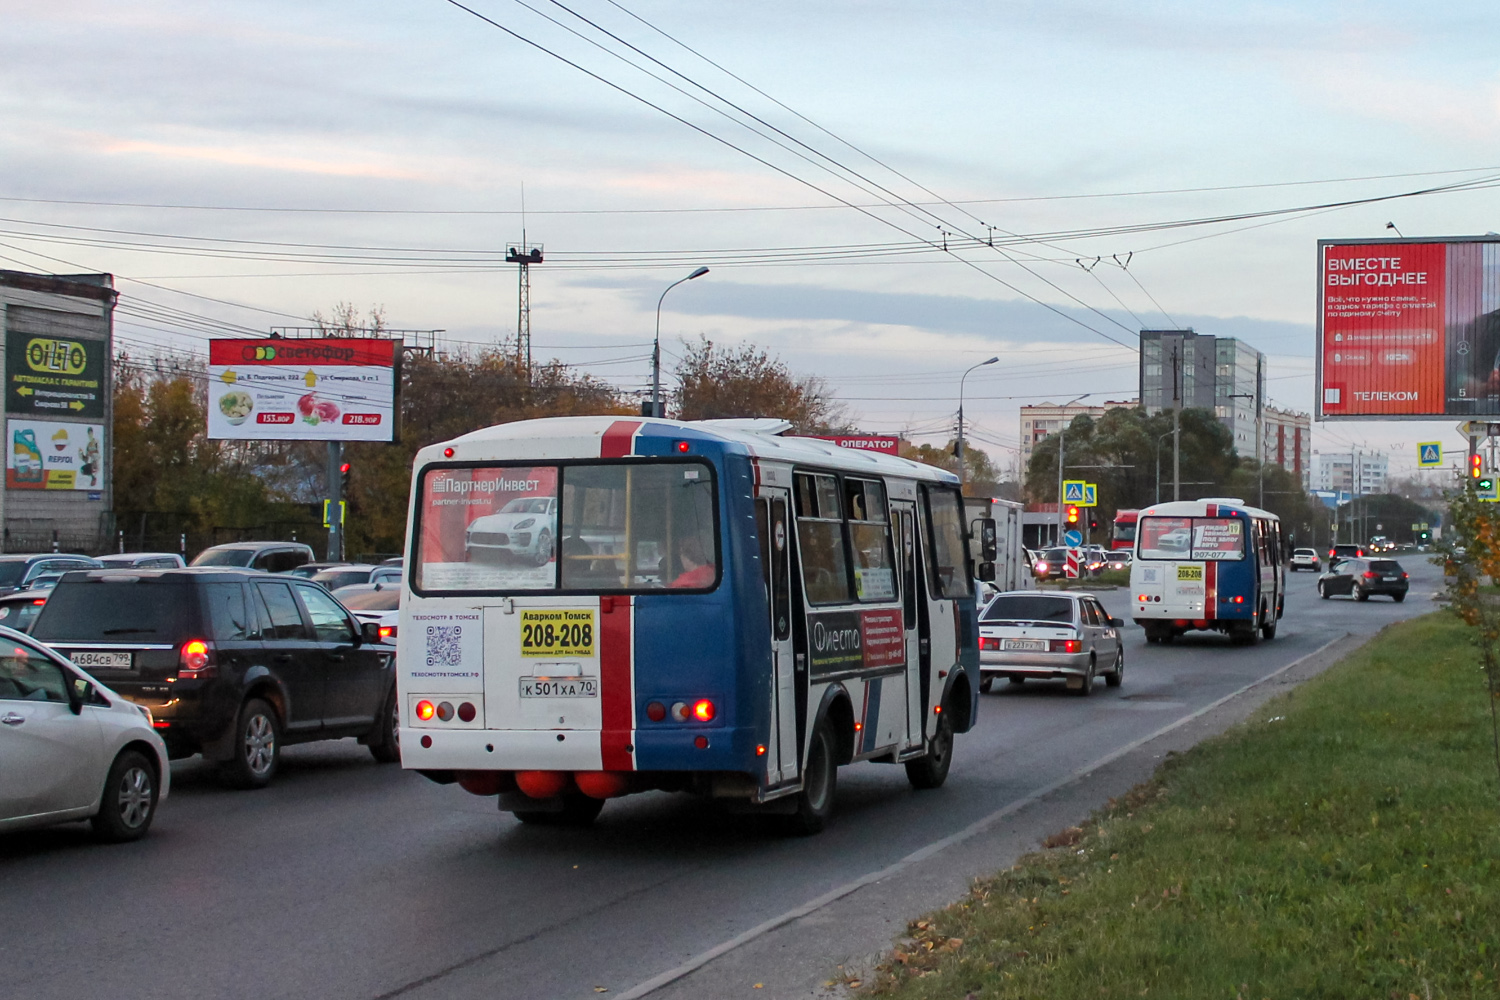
pixel 697 569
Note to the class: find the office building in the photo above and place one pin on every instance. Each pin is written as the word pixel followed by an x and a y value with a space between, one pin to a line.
pixel 1221 374
pixel 1287 437
pixel 1335 471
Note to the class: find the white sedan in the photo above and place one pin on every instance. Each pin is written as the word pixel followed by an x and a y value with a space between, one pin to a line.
pixel 71 749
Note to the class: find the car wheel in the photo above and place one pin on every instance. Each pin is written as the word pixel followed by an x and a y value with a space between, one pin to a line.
pixel 1361 594
pixel 1398 598
pixel 578 810
pixel 1087 687
pixel 1117 676
pixel 129 801
pixel 543 548
pixel 257 746
pixel 931 770
pixel 1322 590
pixel 987 682
pixel 386 746
pixel 1268 630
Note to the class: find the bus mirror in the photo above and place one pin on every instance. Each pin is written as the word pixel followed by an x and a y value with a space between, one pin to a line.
pixel 989 546
pixel 987 572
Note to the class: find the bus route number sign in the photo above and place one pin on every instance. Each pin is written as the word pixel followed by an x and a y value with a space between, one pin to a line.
pixel 554 632
pixel 1194 573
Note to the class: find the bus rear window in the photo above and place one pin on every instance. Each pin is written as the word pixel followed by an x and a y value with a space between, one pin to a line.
pixel 1194 538
pixel 595 527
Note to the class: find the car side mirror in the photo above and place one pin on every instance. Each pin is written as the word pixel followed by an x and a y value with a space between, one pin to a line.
pixel 1117 623
pixel 987 572
pixel 369 632
pixel 78 694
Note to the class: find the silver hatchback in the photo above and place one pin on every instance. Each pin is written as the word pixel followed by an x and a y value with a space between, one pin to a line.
pixel 1068 637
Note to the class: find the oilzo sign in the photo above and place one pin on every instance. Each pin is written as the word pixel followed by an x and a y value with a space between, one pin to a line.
pixel 51 377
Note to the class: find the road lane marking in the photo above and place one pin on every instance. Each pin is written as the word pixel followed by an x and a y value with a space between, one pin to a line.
pixel 937 846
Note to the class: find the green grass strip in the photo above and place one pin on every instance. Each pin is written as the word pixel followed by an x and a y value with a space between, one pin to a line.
pixel 1344 842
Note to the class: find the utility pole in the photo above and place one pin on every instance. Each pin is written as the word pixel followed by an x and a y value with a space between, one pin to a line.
pixel 335 498
pixel 1260 457
pixel 1177 420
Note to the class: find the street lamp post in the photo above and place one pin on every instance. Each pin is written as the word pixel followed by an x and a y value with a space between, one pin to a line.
pixel 656 344
pixel 1062 433
pixel 1159 439
pixel 960 443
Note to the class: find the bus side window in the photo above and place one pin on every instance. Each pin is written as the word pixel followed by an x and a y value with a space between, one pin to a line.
pixel 820 539
pixel 947 555
pixel 908 568
pixel 870 541
pixel 770 523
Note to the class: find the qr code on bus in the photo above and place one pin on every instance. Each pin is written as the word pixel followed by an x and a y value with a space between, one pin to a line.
pixel 444 648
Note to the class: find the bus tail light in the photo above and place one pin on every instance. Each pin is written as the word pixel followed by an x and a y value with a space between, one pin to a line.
pixel 542 784
pixel 466 711
pixel 602 784
pixel 656 711
pixel 195 660
pixel 704 710
pixel 1239 598
pixel 1065 645
pixel 426 710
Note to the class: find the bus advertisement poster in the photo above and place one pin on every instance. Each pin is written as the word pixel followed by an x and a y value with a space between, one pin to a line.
pixel 844 641
pixel 1409 329
pixel 488 529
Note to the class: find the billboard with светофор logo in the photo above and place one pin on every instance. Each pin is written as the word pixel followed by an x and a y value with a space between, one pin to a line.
pixel 293 389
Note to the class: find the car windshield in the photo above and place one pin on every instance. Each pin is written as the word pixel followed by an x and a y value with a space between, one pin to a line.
pixel 11 572
pixel 371 600
pixel 116 611
pixel 1055 555
pixel 1304 552
pixel 1026 608
pixel 224 557
pixel 527 505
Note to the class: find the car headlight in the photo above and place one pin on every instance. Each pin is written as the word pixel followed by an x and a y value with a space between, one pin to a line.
pixel 525 524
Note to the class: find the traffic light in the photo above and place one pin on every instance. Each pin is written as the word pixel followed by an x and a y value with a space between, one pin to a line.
pixel 1485 485
pixel 1476 465
pixel 1072 515
pixel 1093 521
pixel 344 479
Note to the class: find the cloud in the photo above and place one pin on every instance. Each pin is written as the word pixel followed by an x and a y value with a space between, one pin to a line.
pixel 340 166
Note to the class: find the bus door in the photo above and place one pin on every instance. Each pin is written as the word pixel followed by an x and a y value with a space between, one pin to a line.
pixel 917 643
pixel 773 524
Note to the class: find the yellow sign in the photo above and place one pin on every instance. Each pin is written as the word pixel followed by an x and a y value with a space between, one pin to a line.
pixel 343 512
pixel 1190 573
pixel 56 357
pixel 558 632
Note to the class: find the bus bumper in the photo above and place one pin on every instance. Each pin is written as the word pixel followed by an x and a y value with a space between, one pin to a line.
pixel 705 748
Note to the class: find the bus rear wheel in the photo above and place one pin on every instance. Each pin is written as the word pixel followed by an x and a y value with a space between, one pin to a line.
pixel 931 770
pixel 819 781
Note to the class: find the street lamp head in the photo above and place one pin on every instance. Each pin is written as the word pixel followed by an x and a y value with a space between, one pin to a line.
pixel 990 361
pixel 698 273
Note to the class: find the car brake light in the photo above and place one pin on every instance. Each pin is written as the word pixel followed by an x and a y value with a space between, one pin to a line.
pixel 195 660
pixel 1403 576
pixel 39 601
pixel 1369 574
pixel 387 632
pixel 985 642
pixel 1066 645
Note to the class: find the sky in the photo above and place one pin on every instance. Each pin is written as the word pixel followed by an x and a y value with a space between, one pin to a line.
pixel 927 186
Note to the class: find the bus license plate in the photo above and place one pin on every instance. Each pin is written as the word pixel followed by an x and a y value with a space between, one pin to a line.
pixel 559 687
pixel 93 659
pixel 1028 645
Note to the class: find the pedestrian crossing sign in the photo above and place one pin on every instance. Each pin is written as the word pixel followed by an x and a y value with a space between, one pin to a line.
pixel 1073 491
pixel 1429 454
pixel 1090 495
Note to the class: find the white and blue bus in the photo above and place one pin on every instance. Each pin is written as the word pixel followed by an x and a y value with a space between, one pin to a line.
pixel 1212 564
pixel 595 606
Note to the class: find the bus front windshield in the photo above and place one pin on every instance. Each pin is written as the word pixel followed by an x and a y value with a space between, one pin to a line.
pixel 1193 538
pixel 613 526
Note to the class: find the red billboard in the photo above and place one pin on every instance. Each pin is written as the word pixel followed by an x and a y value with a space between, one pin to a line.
pixel 1409 329
pixel 885 444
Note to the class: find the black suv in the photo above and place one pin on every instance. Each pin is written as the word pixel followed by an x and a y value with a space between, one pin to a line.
pixel 1363 577
pixel 232 663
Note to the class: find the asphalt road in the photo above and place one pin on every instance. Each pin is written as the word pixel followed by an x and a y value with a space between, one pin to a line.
pixel 350 879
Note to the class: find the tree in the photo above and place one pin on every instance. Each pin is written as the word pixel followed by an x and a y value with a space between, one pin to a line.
pixel 719 382
pixel 980 475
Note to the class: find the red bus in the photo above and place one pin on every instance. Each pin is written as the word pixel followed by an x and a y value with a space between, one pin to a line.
pixel 1124 533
